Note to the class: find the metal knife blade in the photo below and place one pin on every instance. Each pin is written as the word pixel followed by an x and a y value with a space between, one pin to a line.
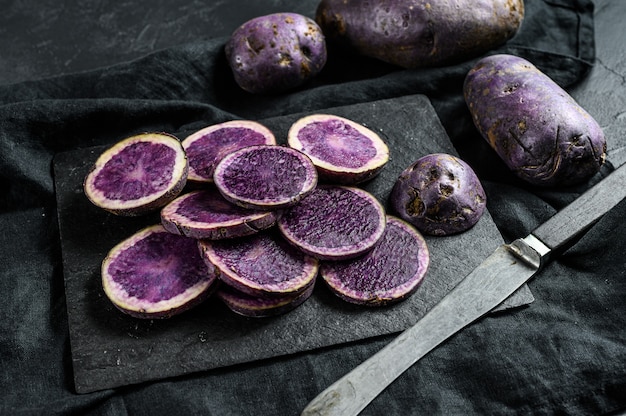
pixel 497 277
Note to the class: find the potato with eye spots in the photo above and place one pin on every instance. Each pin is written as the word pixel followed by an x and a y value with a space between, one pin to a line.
pixel 420 33
pixel 275 53
pixel 439 194
pixel 535 126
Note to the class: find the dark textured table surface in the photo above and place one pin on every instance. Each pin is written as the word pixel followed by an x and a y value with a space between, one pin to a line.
pixel 44 39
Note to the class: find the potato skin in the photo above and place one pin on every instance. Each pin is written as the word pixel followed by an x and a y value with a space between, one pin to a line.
pixel 535 126
pixel 420 33
pixel 276 52
pixel 439 194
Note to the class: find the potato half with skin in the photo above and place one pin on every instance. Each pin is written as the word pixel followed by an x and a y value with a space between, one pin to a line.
pixel 276 52
pixel 420 33
pixel 542 134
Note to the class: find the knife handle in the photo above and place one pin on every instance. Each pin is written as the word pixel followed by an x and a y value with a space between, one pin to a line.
pixel 583 211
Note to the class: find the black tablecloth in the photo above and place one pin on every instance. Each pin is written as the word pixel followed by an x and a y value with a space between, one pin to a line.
pixel 563 354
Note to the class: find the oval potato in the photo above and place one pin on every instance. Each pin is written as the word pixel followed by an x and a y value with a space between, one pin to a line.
pixel 420 33
pixel 540 132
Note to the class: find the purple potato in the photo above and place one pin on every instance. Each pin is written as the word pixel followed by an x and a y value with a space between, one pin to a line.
pixel 261 265
pixel 420 33
pixel 535 126
pixel 276 52
pixel 334 222
pixel 265 177
pixel 156 274
pixel 439 194
pixel 344 152
pixel 262 306
pixel 206 147
pixel 138 174
pixel 389 273
pixel 206 214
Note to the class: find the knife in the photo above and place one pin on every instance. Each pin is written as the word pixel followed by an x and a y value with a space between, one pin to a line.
pixel 495 279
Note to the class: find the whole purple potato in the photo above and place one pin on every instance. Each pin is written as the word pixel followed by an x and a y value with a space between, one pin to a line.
pixel 439 194
pixel 536 127
pixel 420 33
pixel 276 52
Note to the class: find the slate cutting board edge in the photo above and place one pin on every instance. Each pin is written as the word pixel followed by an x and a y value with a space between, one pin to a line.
pixel 122 365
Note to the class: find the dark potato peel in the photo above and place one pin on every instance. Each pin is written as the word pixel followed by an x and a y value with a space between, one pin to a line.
pixel 535 126
pixel 275 53
pixel 420 33
pixel 439 194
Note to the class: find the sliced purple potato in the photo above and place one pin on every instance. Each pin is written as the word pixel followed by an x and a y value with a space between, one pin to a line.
pixel 205 214
pixel 439 194
pixel 206 147
pixel 262 264
pixel 262 306
pixel 390 272
pixel 334 222
pixel 265 177
pixel 343 151
pixel 157 274
pixel 138 174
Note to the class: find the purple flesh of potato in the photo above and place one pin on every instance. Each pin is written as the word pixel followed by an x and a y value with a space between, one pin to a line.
pixel 205 214
pixel 265 177
pixel 534 125
pixel 439 194
pixel 157 274
pixel 274 53
pixel 334 222
pixel 206 147
pixel 262 264
pixel 343 151
pixel 388 273
pixel 262 307
pixel 137 175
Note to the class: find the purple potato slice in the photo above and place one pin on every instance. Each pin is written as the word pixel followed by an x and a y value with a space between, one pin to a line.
pixel 157 274
pixel 343 151
pixel 439 194
pixel 206 147
pixel 138 174
pixel 262 306
pixel 265 177
pixel 262 264
pixel 390 272
pixel 334 222
pixel 205 214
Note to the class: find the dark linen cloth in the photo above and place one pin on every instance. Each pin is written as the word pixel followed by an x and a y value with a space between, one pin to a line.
pixel 563 354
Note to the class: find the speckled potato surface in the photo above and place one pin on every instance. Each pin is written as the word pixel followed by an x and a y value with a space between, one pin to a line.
pixel 389 273
pixel 439 194
pixel 542 134
pixel 420 33
pixel 276 52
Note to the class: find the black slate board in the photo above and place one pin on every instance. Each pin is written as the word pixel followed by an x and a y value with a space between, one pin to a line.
pixel 110 349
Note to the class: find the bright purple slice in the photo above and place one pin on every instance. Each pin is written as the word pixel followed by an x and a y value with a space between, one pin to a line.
pixel 388 273
pixel 262 264
pixel 156 274
pixel 137 175
pixel 343 151
pixel 206 214
pixel 262 306
pixel 334 222
pixel 265 177
pixel 206 147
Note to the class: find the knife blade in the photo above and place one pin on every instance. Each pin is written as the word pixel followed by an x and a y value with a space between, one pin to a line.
pixel 495 279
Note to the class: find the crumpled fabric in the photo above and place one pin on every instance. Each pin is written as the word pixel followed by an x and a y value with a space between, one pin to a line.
pixel 563 354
